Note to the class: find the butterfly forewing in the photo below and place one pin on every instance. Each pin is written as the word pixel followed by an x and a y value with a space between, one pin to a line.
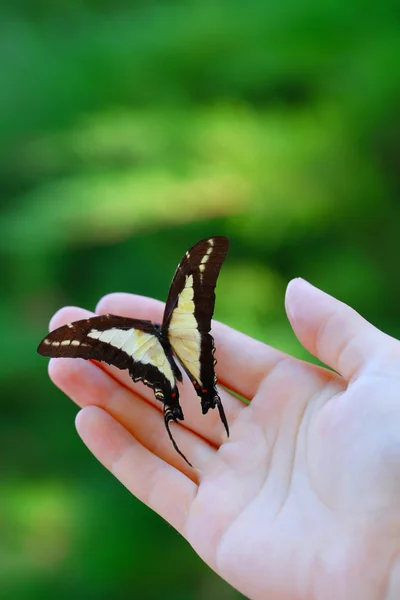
pixel 126 343
pixel 188 313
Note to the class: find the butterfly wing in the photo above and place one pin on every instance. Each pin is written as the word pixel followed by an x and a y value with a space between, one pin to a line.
pixel 187 317
pixel 126 343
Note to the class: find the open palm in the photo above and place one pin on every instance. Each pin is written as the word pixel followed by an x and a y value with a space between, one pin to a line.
pixel 303 500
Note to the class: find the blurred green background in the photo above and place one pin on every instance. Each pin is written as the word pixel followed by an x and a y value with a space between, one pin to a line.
pixel 129 130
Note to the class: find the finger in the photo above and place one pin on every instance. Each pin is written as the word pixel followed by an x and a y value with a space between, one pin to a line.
pixel 163 488
pixel 242 362
pixel 67 314
pixel 208 426
pixel 87 385
pixel 331 330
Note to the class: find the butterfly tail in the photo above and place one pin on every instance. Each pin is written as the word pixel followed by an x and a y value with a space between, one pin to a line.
pixel 223 416
pixel 212 400
pixel 169 416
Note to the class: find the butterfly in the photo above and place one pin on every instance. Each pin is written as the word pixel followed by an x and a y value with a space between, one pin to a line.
pixel 151 351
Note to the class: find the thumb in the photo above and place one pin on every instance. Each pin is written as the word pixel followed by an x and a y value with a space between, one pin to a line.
pixel 331 330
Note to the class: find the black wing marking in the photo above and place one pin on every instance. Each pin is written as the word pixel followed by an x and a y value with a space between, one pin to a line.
pixel 187 317
pixel 126 343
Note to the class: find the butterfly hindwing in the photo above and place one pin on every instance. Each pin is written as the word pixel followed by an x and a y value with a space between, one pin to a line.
pixel 126 343
pixel 188 313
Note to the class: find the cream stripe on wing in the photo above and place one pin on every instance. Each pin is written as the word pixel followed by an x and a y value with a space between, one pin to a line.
pixel 183 332
pixel 141 347
pixel 135 342
pixel 120 337
pixel 107 336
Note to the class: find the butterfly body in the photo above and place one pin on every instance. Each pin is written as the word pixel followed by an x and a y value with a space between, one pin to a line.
pixel 150 351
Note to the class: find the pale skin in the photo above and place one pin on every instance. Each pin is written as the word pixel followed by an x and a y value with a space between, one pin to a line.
pixel 302 502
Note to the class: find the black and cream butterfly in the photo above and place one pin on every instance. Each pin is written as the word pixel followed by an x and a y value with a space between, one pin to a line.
pixel 148 349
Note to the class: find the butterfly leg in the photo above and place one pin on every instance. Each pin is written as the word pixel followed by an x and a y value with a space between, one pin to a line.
pixel 169 416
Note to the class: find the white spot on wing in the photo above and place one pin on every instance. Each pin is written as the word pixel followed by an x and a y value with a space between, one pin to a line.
pixel 47 342
pixel 65 342
pixel 75 343
pixel 55 343
pixel 202 268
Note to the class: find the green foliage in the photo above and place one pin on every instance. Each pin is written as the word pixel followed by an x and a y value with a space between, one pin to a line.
pixel 129 130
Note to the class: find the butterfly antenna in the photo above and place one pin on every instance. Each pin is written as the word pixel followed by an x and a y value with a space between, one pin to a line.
pixel 222 416
pixel 168 416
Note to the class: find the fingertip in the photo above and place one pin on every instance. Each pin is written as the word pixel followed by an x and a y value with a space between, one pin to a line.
pixel 330 329
pixel 130 305
pixel 99 432
pixel 294 298
pixel 103 435
pixel 290 293
pixel 53 369
pixel 86 417
pixel 78 420
pixel 64 372
pixel 105 302
pixel 59 317
pixel 66 314
pixel 81 380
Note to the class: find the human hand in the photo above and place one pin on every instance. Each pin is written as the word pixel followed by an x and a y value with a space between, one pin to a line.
pixel 303 500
